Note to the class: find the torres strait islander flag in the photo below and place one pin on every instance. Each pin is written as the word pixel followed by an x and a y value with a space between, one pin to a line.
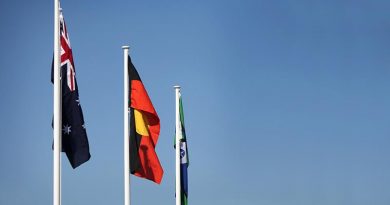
pixel 144 130
pixel 74 136
pixel 184 160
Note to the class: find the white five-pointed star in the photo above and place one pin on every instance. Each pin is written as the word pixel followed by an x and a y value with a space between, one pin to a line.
pixel 83 126
pixel 78 102
pixel 67 129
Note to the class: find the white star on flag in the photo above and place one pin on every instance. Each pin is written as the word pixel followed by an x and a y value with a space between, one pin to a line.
pixel 183 153
pixel 67 129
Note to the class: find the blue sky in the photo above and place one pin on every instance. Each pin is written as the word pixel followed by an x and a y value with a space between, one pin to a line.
pixel 286 102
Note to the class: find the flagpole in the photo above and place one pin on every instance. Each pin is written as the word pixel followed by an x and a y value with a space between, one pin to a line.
pixel 57 109
pixel 178 191
pixel 126 136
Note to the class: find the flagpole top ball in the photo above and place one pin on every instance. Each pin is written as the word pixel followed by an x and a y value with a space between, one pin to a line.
pixel 177 86
pixel 125 47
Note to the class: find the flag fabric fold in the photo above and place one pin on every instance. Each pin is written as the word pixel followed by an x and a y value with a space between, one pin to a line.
pixel 74 136
pixel 144 130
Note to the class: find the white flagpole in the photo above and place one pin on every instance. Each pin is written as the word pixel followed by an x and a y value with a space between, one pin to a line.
pixel 178 131
pixel 126 125
pixel 57 109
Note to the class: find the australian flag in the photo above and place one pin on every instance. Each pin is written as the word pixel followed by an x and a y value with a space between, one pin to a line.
pixel 74 135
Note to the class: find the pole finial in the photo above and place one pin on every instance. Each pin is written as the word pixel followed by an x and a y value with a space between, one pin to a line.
pixel 125 47
pixel 177 86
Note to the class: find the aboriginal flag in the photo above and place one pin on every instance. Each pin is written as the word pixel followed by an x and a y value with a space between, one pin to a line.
pixel 144 130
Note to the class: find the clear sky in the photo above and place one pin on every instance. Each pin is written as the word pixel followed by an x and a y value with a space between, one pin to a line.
pixel 286 102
